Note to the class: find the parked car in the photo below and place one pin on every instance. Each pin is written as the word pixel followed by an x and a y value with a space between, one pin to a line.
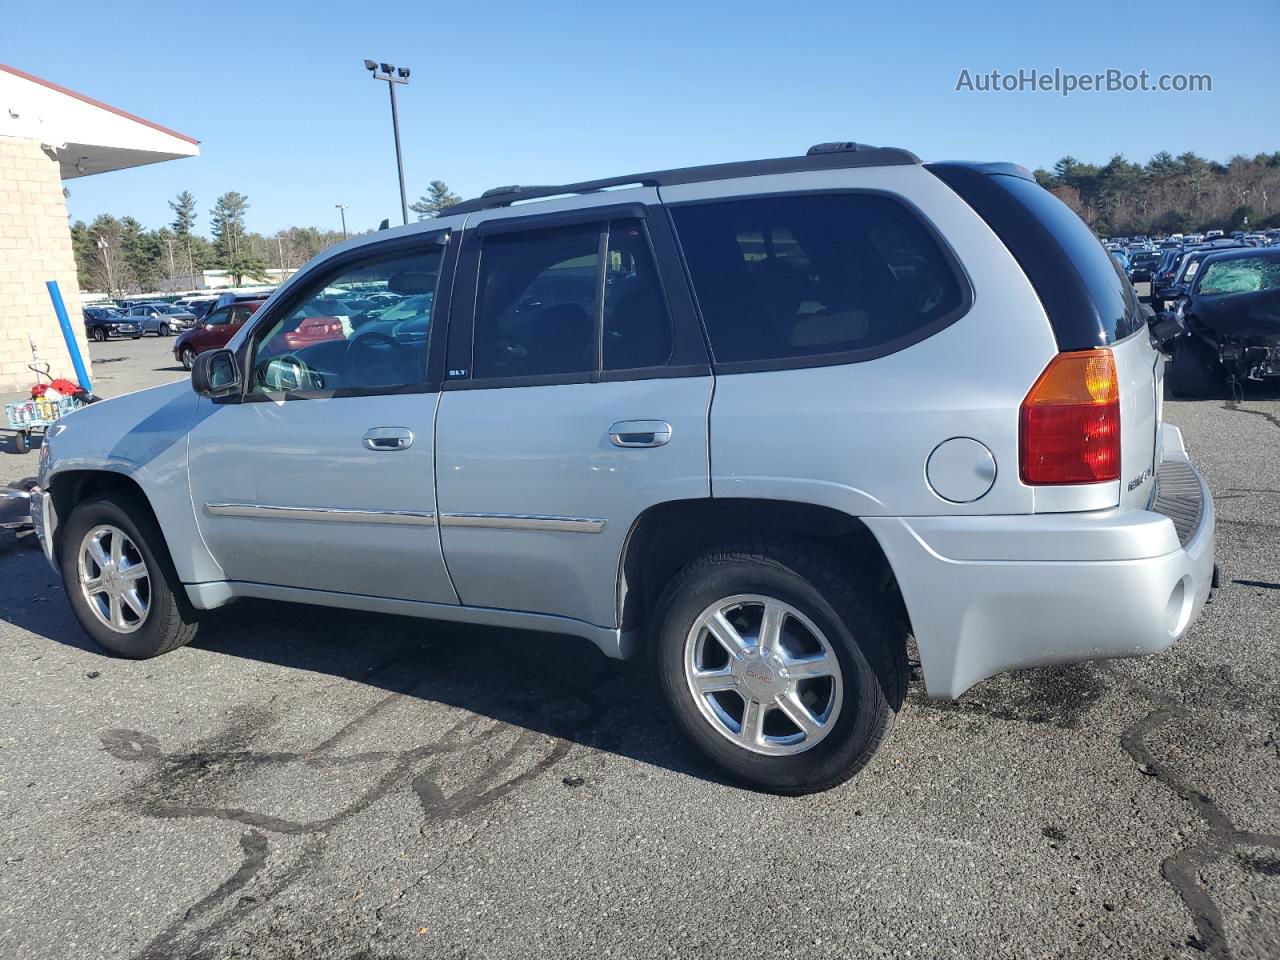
pixel 102 323
pixel 1211 234
pixel 233 296
pixel 214 331
pixel 832 402
pixel 1142 265
pixel 198 306
pixel 1226 325
pixel 162 319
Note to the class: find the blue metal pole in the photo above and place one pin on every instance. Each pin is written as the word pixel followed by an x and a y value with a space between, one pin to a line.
pixel 68 334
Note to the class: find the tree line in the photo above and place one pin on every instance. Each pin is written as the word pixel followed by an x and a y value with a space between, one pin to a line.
pixel 118 256
pixel 1169 194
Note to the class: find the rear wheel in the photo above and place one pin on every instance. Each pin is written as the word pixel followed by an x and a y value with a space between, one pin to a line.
pixel 779 664
pixel 1192 372
pixel 120 580
pixel 188 357
pixel 21 444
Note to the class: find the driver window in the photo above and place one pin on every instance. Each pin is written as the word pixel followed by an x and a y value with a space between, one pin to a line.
pixel 363 327
pixel 218 318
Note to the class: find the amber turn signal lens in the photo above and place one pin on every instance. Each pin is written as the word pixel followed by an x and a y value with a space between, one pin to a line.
pixel 1069 424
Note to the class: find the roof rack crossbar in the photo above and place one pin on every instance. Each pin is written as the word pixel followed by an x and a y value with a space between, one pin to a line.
pixel 823 157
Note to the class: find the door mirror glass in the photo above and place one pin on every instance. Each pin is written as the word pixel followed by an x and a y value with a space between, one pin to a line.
pixel 216 374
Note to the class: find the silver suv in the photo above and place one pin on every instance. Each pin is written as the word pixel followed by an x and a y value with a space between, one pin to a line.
pixel 765 421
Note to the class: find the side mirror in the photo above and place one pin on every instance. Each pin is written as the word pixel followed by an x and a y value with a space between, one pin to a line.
pixel 215 374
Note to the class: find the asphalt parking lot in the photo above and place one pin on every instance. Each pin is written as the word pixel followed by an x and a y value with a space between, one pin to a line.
pixel 304 783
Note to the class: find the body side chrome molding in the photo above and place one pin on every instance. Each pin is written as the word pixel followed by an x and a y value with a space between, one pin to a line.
pixel 497 521
pixel 523 521
pixel 262 511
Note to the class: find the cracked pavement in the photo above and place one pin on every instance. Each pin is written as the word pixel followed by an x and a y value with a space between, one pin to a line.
pixel 309 783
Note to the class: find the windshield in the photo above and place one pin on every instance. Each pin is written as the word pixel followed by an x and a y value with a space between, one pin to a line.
pixel 1243 275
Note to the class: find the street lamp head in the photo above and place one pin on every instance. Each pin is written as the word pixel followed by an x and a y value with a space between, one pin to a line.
pixel 387 68
pixel 370 66
pixel 404 72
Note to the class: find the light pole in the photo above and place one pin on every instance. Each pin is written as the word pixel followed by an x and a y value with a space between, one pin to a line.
pixel 342 208
pixel 103 243
pixel 393 75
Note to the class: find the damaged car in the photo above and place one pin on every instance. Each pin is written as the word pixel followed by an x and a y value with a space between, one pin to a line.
pixel 1225 326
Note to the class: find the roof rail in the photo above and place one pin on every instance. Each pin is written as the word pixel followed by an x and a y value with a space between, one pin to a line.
pixel 822 156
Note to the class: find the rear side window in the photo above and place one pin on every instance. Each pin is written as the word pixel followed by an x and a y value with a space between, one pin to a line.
pixel 539 301
pixel 637 327
pixel 540 312
pixel 790 279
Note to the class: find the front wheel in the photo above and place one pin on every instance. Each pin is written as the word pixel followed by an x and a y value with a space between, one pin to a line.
pixel 100 334
pixel 1192 371
pixel 119 578
pixel 779 663
pixel 188 357
pixel 164 330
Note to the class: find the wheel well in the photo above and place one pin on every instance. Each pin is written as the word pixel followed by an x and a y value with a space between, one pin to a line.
pixel 72 487
pixel 667 536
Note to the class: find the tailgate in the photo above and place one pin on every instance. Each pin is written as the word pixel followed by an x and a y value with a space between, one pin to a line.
pixel 1140 372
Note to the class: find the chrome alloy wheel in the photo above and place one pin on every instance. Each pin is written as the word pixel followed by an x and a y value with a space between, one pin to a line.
pixel 114 578
pixel 763 675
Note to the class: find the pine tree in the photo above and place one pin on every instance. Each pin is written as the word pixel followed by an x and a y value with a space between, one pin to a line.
pixel 231 249
pixel 435 201
pixel 184 214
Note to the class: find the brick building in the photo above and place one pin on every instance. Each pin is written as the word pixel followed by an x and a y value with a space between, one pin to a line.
pixel 49 134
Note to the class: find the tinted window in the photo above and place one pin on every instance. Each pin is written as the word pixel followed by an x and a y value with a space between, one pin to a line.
pixel 538 303
pixel 806 276
pixel 329 340
pixel 637 327
pixel 1112 296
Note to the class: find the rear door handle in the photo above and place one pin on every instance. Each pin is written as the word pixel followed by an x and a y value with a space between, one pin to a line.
pixel 388 438
pixel 640 433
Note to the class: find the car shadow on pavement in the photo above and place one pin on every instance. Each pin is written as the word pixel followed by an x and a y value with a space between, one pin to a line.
pixel 552 685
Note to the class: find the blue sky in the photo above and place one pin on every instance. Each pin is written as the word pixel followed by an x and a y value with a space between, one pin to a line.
pixel 554 92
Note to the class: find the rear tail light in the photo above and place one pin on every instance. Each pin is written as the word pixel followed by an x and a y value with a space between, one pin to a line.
pixel 1069 424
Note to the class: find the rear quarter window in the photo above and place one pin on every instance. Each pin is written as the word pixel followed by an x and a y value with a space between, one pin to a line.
pixel 1089 301
pixel 816 278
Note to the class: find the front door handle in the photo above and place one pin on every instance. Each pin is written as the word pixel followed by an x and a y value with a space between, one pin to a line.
pixel 388 438
pixel 640 433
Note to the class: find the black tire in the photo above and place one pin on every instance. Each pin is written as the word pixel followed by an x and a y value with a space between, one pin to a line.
pixel 164 330
pixel 865 633
pixel 100 334
pixel 136 336
pixel 20 442
pixel 1192 371
pixel 188 358
pixel 171 621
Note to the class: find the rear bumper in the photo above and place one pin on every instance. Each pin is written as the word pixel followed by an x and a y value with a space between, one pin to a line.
pixel 987 594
